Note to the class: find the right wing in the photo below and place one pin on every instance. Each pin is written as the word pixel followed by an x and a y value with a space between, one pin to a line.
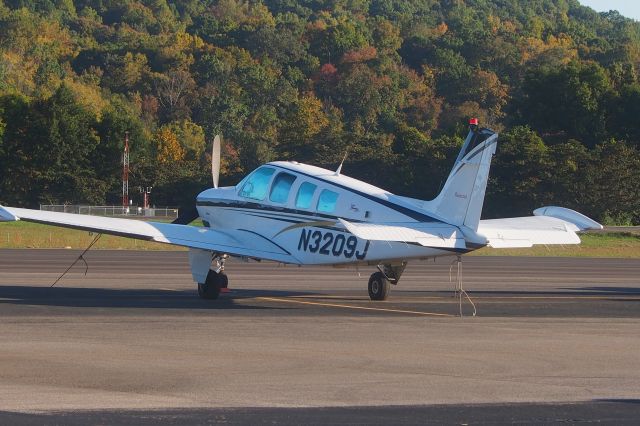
pixel 236 242
pixel 549 225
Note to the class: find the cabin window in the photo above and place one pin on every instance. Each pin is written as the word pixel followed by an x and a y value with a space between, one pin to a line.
pixel 305 194
pixel 257 184
pixel 281 187
pixel 327 201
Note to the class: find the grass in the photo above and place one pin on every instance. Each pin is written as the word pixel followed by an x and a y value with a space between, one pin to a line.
pixel 33 235
pixel 622 245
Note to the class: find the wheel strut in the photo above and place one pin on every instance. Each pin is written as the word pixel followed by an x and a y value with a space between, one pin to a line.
pixel 392 272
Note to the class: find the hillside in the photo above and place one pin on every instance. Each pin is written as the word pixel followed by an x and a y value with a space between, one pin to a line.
pixel 391 82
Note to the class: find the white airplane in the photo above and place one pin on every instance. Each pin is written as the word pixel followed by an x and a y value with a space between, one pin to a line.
pixel 299 214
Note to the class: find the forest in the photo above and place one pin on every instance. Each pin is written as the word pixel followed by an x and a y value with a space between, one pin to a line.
pixel 391 82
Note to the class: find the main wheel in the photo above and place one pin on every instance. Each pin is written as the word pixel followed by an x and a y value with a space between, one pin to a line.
pixel 210 289
pixel 378 286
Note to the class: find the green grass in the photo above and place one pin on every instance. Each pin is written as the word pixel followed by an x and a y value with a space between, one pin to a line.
pixel 33 235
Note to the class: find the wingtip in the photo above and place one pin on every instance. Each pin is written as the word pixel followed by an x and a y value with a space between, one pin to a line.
pixel 7 216
pixel 581 221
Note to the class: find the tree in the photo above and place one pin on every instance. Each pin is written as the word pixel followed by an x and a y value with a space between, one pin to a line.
pixel 572 100
pixel 519 175
pixel 190 136
pixel 168 148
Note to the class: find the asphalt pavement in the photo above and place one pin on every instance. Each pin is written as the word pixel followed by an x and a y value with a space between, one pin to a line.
pixel 554 339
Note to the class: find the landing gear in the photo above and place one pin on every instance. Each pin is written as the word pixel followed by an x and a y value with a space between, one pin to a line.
pixel 210 289
pixel 380 282
pixel 378 286
pixel 216 280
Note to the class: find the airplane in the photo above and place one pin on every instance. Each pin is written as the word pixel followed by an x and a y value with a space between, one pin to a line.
pixel 300 214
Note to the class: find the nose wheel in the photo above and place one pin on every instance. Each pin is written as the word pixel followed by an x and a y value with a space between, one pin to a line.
pixel 211 288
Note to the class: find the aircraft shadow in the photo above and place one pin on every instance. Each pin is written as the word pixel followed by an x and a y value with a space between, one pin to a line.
pixel 611 290
pixel 79 297
pixel 575 291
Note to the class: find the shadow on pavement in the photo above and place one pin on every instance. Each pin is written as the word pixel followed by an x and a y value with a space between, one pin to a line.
pixel 132 298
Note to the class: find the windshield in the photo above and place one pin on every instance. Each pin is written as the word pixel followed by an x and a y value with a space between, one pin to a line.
pixel 257 184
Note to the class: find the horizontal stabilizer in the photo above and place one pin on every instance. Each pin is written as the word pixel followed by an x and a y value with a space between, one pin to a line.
pixel 578 219
pixel 427 235
pixel 550 225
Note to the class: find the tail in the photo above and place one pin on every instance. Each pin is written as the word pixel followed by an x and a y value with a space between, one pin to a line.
pixel 461 199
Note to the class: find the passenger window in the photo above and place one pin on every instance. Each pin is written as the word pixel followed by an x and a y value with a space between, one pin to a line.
pixel 305 194
pixel 327 201
pixel 281 187
pixel 257 184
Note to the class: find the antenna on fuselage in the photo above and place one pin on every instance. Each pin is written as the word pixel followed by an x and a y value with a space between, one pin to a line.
pixel 341 163
pixel 215 161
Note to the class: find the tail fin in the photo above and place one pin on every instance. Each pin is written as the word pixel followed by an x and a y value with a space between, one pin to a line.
pixel 461 199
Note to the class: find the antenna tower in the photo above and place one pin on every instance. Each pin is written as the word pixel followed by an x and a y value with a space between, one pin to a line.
pixel 125 172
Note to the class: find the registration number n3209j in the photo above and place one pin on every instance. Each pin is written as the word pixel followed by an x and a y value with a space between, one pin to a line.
pixel 331 244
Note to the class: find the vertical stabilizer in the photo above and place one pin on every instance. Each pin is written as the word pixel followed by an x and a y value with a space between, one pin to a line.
pixel 461 199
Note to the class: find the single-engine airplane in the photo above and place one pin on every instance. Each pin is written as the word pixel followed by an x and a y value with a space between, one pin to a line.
pixel 299 214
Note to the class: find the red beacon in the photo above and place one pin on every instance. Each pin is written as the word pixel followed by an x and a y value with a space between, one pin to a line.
pixel 473 124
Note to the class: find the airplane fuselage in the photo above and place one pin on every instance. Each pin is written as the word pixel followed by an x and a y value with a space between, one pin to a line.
pixel 297 207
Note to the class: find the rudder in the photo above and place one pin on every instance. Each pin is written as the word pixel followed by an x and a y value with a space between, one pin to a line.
pixel 462 197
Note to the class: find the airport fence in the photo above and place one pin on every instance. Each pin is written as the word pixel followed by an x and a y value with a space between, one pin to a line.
pixel 133 210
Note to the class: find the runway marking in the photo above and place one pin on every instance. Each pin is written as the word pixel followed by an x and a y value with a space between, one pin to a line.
pixel 327 296
pixel 364 308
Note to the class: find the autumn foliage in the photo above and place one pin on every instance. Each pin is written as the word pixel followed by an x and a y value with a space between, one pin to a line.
pixel 391 82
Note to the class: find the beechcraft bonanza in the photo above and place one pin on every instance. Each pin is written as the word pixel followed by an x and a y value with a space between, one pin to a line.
pixel 299 214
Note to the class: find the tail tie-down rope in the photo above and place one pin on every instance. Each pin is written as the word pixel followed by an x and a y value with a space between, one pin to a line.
pixel 459 289
pixel 81 257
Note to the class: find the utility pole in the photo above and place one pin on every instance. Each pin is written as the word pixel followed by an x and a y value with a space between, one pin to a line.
pixel 125 175
pixel 146 196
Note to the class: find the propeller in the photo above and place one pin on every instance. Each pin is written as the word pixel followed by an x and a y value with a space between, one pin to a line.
pixel 215 161
pixel 189 214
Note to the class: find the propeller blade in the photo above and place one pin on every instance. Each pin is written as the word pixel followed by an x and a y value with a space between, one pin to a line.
pixel 215 161
pixel 186 216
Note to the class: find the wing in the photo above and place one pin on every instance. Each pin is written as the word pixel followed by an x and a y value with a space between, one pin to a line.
pixel 549 225
pixel 236 242
pixel 438 235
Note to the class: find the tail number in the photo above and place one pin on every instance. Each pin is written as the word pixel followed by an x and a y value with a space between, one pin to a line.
pixel 330 244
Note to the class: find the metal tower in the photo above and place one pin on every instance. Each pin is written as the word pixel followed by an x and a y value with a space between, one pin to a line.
pixel 125 173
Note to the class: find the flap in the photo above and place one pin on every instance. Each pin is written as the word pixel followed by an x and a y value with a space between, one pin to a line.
pixel 428 235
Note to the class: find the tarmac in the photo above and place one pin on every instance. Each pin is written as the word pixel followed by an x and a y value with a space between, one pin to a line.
pixel 554 339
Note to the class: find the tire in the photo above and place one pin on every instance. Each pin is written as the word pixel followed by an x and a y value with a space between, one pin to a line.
pixel 210 290
pixel 378 286
pixel 223 279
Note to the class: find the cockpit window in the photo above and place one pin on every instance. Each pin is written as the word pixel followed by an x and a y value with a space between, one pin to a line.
pixel 327 201
pixel 305 195
pixel 281 187
pixel 257 184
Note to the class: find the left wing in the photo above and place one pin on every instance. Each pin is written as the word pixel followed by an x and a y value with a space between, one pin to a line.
pixel 549 225
pixel 236 242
